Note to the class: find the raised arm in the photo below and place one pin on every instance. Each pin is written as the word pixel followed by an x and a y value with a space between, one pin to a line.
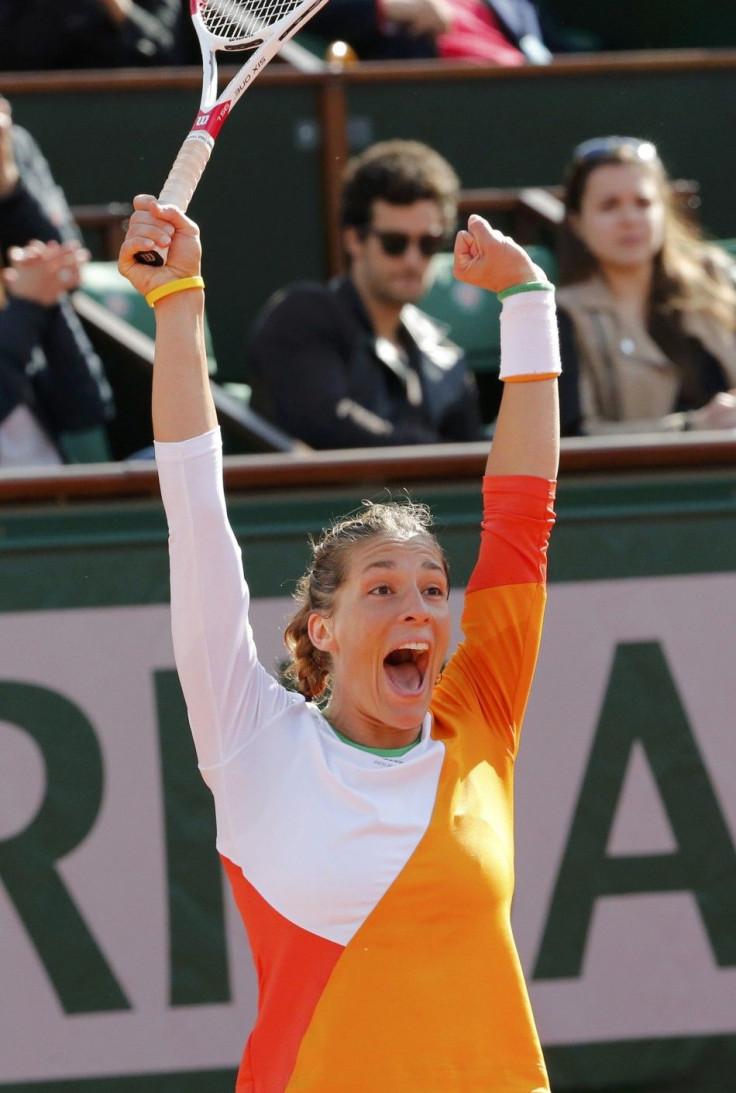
pixel 182 401
pixel 526 438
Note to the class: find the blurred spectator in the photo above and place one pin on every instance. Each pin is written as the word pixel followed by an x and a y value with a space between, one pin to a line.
pixel 355 363
pixel 53 34
pixel 647 309
pixel 502 32
pixel 51 381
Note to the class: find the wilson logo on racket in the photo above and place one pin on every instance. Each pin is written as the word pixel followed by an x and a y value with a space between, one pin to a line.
pixel 260 26
pixel 213 120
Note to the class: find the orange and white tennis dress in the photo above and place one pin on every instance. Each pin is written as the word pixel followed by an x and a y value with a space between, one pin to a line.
pixel 375 888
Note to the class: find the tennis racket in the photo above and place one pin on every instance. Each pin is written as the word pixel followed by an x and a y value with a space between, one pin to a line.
pixel 260 26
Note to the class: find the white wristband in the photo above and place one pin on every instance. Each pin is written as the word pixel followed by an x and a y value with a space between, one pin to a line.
pixel 530 346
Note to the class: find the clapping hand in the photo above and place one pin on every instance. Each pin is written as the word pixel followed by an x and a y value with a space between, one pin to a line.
pixel 43 272
pixel 719 413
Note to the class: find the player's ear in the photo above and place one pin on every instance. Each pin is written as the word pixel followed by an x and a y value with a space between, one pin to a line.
pixel 352 242
pixel 320 633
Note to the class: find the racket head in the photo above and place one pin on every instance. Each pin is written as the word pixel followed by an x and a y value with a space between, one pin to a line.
pixel 239 24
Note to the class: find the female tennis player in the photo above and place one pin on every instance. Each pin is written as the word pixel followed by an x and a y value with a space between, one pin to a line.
pixel 365 821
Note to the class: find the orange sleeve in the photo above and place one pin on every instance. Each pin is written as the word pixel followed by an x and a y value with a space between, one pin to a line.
pixel 518 516
pixel 488 679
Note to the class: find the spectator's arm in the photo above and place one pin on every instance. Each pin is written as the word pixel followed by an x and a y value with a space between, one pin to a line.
pixel 349 20
pixel 23 170
pixel 419 17
pixel 54 216
pixel 73 387
pixel 22 218
pixel 148 33
pixel 21 215
pixel 21 326
pixel 354 20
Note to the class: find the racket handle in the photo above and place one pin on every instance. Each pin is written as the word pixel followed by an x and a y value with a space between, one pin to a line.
pixel 179 187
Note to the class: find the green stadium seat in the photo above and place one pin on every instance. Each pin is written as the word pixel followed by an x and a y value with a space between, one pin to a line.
pixel 86 445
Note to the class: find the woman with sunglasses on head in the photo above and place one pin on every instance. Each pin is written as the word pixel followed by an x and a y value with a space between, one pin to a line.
pixel 366 822
pixel 369 367
pixel 647 308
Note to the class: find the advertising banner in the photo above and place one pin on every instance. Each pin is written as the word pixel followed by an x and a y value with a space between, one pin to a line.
pixel 123 962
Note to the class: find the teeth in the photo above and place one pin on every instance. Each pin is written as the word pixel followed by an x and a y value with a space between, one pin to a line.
pixel 420 646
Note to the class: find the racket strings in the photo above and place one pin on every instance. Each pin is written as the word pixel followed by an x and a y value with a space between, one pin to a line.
pixel 238 19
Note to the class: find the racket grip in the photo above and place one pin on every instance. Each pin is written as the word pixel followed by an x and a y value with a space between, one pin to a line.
pixel 179 187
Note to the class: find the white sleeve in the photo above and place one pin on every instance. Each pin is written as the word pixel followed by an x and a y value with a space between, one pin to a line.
pixel 228 693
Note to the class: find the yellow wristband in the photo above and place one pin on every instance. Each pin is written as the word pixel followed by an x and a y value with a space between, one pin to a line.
pixel 180 285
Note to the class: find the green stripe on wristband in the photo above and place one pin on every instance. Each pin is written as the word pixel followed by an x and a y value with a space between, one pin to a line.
pixel 527 286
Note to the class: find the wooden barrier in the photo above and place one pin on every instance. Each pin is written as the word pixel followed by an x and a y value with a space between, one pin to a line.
pixel 374 468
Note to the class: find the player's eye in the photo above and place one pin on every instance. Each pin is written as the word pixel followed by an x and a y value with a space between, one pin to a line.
pixel 380 590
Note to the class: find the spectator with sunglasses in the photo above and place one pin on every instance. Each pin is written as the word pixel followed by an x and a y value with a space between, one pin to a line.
pixel 647 308
pixel 355 363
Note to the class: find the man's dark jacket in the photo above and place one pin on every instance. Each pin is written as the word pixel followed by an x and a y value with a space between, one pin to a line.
pixel 318 372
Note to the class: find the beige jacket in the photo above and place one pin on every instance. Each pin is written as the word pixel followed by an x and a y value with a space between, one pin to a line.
pixel 626 382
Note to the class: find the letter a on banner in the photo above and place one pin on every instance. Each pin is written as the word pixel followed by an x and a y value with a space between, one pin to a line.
pixel 642 706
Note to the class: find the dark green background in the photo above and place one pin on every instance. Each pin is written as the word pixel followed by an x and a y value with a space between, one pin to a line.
pixel 648 24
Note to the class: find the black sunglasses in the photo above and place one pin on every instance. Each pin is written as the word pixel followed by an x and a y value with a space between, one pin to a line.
pixel 600 147
pixel 394 244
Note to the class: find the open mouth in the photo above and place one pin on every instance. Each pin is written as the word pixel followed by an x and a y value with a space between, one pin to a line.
pixel 406 667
